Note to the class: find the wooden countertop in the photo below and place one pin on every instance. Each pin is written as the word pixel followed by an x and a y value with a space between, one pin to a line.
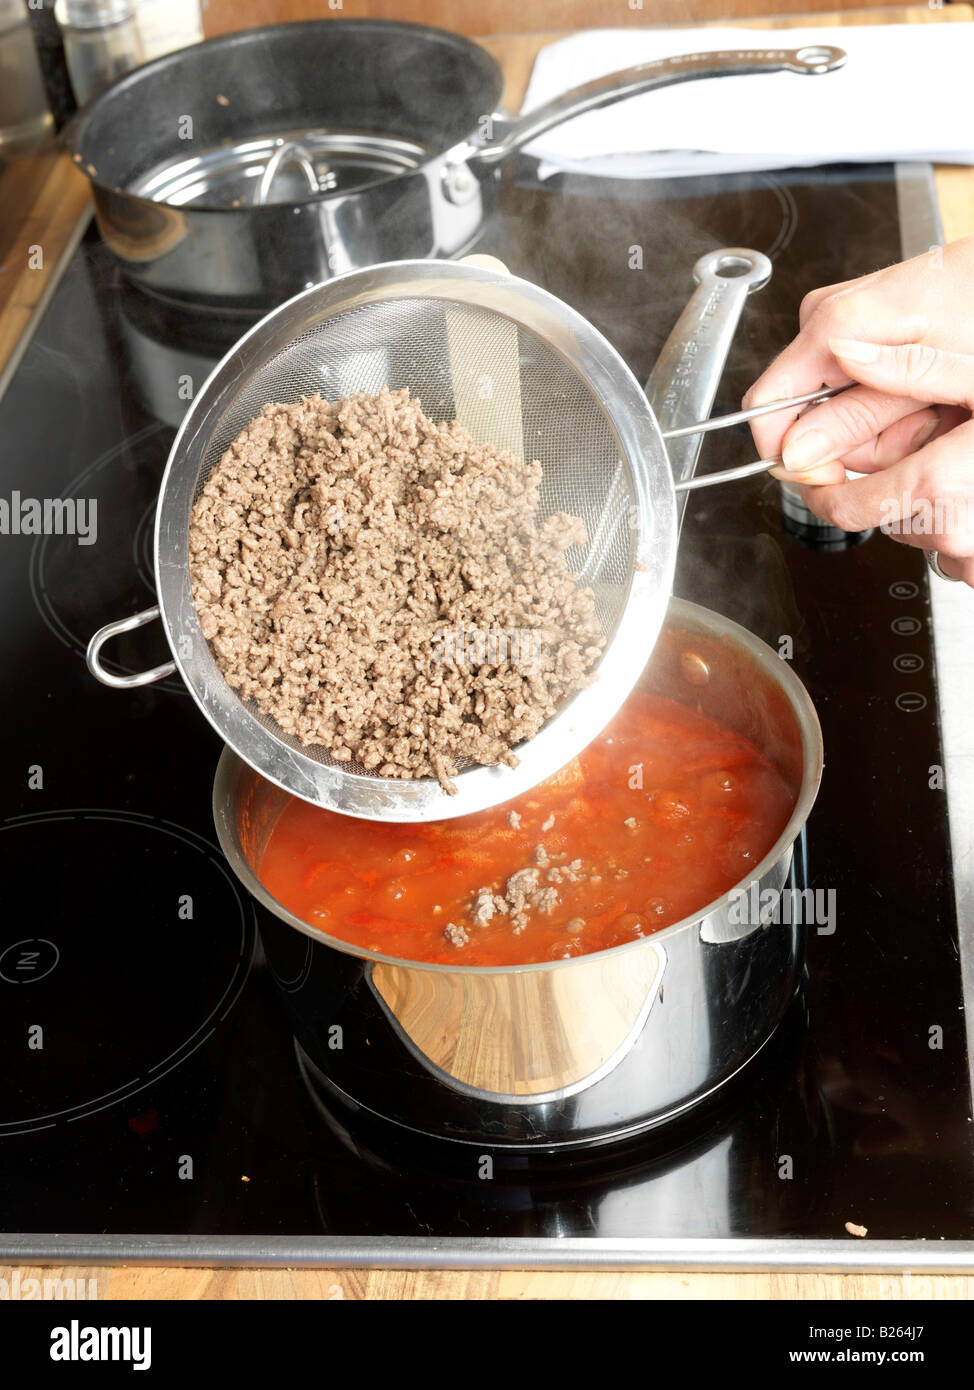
pixel 59 198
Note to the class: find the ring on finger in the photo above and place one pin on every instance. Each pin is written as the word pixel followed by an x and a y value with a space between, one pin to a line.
pixel 933 560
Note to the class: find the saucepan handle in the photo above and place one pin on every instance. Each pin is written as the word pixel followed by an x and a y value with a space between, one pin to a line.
pixel 104 634
pixel 684 381
pixel 687 373
pixel 812 60
pixel 289 152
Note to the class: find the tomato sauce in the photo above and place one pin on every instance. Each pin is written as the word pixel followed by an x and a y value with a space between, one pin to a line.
pixel 663 813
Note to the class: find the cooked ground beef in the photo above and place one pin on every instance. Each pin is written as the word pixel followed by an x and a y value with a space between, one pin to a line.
pixel 342 554
pixel 522 895
pixel 484 906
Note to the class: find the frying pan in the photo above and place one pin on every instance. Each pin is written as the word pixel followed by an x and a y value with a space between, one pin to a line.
pixel 247 168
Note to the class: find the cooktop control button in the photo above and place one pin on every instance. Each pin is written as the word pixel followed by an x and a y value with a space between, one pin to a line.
pixel 29 960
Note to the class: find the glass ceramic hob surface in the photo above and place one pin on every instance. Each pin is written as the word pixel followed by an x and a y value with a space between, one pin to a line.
pixel 149 1081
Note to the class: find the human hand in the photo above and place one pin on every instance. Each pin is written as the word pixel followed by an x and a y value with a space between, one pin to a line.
pixel 905 337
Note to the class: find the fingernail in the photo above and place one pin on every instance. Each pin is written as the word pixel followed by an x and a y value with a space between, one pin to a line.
pixel 924 433
pixel 852 350
pixel 806 449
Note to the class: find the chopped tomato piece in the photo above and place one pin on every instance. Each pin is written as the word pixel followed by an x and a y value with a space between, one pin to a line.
pixel 662 814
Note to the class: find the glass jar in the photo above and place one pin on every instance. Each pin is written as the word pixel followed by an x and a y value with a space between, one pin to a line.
pixel 101 42
pixel 25 120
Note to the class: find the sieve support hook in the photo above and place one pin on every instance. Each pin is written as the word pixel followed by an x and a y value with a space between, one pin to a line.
pixel 110 630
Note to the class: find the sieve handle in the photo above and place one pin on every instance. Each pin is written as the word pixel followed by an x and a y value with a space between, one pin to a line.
pixel 811 60
pixel 727 475
pixel 104 634
pixel 740 417
pixel 684 381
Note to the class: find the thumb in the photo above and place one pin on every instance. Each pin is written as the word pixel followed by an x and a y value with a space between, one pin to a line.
pixel 908 369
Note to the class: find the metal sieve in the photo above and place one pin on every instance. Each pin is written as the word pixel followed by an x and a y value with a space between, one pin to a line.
pixel 579 410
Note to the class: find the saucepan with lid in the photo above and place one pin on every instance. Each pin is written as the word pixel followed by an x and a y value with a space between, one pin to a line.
pixel 246 168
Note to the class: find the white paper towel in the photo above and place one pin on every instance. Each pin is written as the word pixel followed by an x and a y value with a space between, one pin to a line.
pixel 905 93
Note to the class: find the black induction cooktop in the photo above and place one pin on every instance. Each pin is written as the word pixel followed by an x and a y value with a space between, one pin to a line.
pixel 150 1101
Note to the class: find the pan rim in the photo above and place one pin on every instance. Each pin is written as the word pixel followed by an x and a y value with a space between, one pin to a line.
pixel 231 765
pixel 79 126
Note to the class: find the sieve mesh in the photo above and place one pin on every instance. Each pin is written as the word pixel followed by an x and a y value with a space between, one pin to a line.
pixel 514 387
pixel 507 384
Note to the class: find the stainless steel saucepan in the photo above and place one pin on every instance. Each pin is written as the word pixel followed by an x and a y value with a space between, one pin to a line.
pixel 244 169
pixel 570 1052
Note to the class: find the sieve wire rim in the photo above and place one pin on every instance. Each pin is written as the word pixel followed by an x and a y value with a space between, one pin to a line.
pixel 633 426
